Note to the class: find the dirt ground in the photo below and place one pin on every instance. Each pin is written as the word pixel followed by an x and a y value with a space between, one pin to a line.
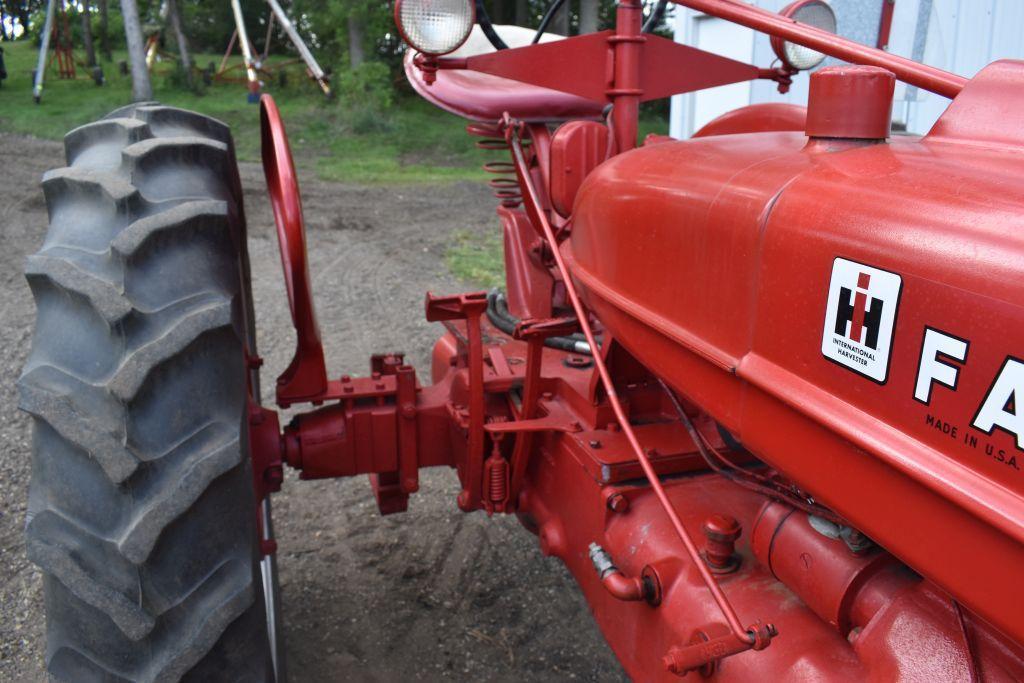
pixel 427 595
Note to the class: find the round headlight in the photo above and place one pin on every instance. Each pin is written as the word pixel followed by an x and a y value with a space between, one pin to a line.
pixel 816 13
pixel 435 27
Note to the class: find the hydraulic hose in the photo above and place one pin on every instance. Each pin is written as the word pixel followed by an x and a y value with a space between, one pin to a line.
pixel 498 314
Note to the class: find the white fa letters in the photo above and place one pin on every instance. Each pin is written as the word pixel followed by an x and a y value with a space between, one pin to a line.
pixel 944 357
pixel 931 368
pixel 1001 407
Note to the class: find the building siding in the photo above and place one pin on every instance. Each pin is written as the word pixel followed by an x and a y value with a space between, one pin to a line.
pixel 961 36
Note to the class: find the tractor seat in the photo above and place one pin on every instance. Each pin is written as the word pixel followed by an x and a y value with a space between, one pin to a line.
pixel 482 97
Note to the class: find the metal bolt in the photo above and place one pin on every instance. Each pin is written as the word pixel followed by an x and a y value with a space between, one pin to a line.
pixel 855 540
pixel 346 379
pixel 594 443
pixel 603 563
pixel 578 362
pixel 618 503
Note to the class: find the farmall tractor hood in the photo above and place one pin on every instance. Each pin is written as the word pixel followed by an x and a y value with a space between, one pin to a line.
pixel 846 307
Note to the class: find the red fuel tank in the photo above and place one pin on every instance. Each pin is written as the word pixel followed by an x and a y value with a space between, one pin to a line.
pixel 853 311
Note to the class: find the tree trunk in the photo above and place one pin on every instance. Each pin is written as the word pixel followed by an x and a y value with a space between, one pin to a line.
pixel 174 16
pixel 90 51
pixel 355 41
pixel 522 13
pixel 142 89
pixel 588 16
pixel 3 24
pixel 104 31
pixel 560 22
pixel 498 11
pixel 23 15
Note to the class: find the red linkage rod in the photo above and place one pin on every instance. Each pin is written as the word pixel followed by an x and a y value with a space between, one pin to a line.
pixel 925 77
pixel 741 633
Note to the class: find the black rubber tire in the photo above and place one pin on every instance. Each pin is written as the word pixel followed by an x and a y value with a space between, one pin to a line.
pixel 141 508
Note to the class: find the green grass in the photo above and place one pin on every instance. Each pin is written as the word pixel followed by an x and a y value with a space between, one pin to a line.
pixel 478 259
pixel 413 142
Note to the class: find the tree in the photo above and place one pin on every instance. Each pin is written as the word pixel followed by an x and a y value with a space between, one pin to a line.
pixel 90 51
pixel 142 89
pixel 174 18
pixel 355 40
pixel 497 12
pixel 23 10
pixel 589 10
pixel 104 30
pixel 522 13
pixel 560 22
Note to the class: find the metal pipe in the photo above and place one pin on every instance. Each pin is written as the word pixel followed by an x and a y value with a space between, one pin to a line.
pixel 625 93
pixel 307 56
pixel 914 73
pixel 624 587
pixel 243 42
pixel 620 586
pixel 44 47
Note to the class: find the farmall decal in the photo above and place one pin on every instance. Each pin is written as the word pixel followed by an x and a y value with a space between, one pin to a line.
pixel 860 318
pixel 860 321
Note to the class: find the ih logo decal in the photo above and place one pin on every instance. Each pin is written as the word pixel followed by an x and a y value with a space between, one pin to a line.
pixel 860 318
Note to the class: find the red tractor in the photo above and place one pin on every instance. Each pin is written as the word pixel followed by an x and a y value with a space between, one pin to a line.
pixel 759 390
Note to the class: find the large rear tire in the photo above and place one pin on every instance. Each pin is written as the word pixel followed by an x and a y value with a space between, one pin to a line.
pixel 141 509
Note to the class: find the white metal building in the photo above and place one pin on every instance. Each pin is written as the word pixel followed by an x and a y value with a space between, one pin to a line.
pixel 961 36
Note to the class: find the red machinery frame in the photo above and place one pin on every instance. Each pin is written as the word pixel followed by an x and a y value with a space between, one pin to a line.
pixel 522 424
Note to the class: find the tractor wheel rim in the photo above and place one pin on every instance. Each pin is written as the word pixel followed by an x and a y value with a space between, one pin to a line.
pixel 271 594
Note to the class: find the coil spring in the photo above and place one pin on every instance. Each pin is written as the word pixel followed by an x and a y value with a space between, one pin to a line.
pixel 504 184
pixel 499 480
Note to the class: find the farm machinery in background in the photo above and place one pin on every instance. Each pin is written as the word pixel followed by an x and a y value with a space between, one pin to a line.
pixel 57 30
pixel 758 390
pixel 254 64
